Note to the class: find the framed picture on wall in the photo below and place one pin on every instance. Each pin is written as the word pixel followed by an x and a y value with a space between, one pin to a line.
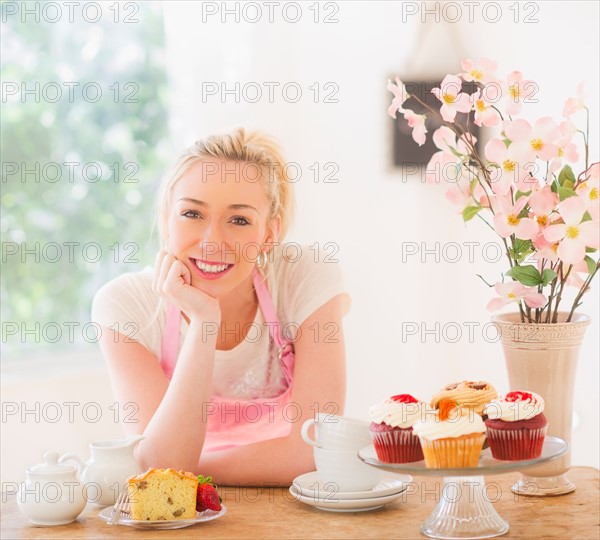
pixel 406 150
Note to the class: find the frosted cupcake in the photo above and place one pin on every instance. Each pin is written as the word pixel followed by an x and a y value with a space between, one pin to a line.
pixel 392 429
pixel 450 436
pixel 472 395
pixel 516 426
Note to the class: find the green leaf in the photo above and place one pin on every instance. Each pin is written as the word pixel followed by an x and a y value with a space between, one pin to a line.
pixel 524 212
pixel 586 217
pixel 566 173
pixel 470 212
pixel 522 245
pixel 554 187
pixel 473 185
pixel 520 249
pixel 547 276
pixel 565 193
pixel 591 264
pixel 527 275
pixel 568 184
pixel 590 250
pixel 506 142
pixel 455 152
pixel 520 194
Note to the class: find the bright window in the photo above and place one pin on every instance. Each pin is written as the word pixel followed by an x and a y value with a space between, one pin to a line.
pixel 84 143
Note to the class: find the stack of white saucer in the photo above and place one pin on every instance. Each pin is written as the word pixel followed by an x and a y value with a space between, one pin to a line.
pixel 310 489
pixel 342 482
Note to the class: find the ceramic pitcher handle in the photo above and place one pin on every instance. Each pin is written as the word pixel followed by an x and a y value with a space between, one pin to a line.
pixel 304 432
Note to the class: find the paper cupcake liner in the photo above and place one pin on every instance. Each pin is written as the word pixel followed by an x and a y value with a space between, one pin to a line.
pixel 453 452
pixel 516 444
pixel 397 446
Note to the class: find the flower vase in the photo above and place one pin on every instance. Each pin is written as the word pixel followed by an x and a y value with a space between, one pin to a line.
pixel 542 358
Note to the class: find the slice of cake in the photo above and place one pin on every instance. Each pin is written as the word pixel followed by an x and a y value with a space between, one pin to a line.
pixel 162 494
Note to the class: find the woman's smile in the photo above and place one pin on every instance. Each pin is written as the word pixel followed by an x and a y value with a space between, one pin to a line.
pixel 210 270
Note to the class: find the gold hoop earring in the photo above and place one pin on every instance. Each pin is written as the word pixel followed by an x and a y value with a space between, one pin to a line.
pixel 262 259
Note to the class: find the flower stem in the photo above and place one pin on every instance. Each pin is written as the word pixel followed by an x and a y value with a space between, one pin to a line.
pixel 560 290
pixel 584 287
pixel 485 221
pixel 550 298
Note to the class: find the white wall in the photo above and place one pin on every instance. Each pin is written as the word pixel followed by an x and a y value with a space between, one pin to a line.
pixel 372 212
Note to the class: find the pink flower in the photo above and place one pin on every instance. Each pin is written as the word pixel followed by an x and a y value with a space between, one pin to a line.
pixel 542 202
pixel 417 123
pixel 485 114
pixel 453 100
pixel 573 235
pixel 443 165
pixel 574 279
pixel 572 105
pixel 400 96
pixel 507 220
pixel 518 92
pixel 483 72
pixel 589 191
pixel 464 192
pixel 544 249
pixel 444 138
pixel 515 292
pixel 510 173
pixel 530 142
pixel 566 149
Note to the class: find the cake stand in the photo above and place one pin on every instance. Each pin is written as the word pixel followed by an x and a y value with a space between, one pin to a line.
pixel 464 509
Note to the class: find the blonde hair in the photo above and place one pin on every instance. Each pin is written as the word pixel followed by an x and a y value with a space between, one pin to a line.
pixel 254 147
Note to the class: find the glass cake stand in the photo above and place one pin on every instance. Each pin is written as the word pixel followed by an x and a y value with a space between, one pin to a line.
pixel 464 509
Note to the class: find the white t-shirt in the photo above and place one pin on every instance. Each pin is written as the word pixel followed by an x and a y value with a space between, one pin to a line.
pixel 301 280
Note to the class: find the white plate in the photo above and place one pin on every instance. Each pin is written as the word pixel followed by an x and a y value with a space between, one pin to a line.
pixel 201 517
pixel 346 505
pixel 310 485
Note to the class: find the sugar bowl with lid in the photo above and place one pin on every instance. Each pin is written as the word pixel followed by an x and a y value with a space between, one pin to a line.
pixel 51 493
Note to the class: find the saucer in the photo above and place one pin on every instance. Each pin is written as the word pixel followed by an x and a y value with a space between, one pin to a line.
pixel 331 504
pixel 310 485
pixel 201 517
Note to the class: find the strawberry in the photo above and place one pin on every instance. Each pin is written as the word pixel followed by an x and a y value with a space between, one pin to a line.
pixel 404 398
pixel 519 396
pixel 207 497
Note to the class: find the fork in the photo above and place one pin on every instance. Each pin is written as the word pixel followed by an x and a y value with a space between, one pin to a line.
pixel 119 507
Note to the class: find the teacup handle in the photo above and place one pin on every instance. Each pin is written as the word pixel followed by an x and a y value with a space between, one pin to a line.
pixel 305 427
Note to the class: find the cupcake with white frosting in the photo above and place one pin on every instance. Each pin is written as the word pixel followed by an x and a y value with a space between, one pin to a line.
pixel 516 426
pixel 392 429
pixel 451 437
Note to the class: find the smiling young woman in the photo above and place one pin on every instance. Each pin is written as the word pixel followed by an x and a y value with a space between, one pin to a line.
pixel 202 343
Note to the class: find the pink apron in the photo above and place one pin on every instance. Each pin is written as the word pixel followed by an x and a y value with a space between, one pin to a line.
pixel 235 422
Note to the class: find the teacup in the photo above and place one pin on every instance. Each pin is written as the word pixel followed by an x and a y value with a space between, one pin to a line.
pixel 345 470
pixel 334 432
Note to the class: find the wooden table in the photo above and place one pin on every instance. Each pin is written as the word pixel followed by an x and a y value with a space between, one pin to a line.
pixel 274 513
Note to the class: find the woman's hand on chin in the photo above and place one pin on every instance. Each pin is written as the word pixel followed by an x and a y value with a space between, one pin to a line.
pixel 172 281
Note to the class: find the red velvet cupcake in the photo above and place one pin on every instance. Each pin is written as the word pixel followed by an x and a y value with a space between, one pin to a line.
pixel 516 426
pixel 391 429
